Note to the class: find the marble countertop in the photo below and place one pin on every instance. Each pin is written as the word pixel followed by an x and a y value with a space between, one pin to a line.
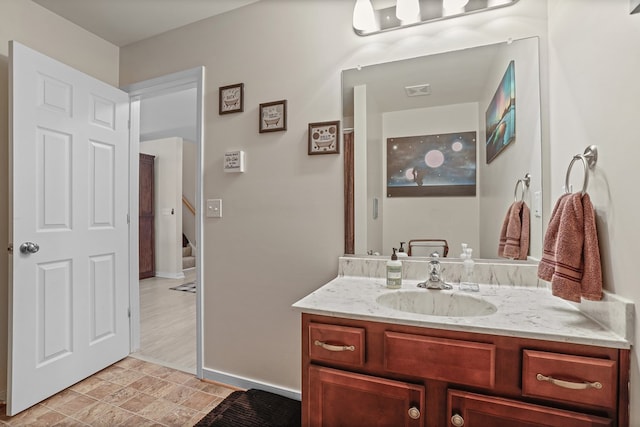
pixel 522 311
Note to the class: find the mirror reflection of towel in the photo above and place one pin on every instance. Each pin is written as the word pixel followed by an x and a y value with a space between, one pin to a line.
pixel 571 256
pixel 514 236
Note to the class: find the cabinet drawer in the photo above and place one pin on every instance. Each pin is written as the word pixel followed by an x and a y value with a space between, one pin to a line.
pixel 339 344
pixel 576 379
pixel 470 409
pixel 456 361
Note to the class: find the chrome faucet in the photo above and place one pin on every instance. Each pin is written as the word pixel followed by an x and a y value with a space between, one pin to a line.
pixel 435 281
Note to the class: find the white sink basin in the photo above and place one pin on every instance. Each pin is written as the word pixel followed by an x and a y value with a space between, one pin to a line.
pixel 437 303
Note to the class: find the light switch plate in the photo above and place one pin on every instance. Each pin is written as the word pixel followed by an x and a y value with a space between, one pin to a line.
pixel 214 208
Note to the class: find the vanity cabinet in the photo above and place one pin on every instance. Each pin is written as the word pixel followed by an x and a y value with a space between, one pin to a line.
pixel 364 373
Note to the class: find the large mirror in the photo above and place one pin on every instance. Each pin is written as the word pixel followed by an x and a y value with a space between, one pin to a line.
pixel 431 98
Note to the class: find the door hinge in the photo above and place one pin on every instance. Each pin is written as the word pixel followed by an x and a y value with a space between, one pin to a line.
pixel 129 312
pixel 128 219
pixel 10 248
pixel 129 124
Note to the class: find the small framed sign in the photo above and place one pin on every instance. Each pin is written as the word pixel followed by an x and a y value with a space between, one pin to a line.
pixel 273 116
pixel 231 99
pixel 234 161
pixel 324 138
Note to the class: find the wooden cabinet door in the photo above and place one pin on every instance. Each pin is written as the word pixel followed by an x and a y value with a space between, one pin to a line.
pixel 146 238
pixel 475 410
pixel 345 399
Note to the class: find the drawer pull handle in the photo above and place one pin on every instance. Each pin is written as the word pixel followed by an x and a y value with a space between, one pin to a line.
pixel 335 347
pixel 568 384
pixel 414 413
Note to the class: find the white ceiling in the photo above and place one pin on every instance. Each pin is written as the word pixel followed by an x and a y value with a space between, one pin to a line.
pixel 123 22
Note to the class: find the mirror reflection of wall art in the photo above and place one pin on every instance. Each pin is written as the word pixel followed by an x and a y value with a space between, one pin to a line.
pixel 501 115
pixel 324 138
pixel 273 116
pixel 231 99
pixel 432 165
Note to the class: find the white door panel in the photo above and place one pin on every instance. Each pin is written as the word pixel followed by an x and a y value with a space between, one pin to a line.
pixel 69 300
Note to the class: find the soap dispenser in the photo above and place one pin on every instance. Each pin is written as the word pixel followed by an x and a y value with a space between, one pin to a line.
pixel 467 283
pixel 394 272
pixel 401 253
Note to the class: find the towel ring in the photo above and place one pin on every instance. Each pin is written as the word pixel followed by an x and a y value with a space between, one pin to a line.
pixel 525 184
pixel 589 159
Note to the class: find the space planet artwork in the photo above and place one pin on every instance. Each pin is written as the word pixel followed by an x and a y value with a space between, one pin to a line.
pixel 432 165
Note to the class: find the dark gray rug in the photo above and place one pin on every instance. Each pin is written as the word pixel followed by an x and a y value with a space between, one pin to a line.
pixel 187 287
pixel 254 408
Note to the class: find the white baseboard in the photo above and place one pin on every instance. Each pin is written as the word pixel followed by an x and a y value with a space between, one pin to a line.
pixel 166 275
pixel 247 383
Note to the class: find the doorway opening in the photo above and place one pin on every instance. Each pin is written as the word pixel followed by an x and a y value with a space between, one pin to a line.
pixel 166 132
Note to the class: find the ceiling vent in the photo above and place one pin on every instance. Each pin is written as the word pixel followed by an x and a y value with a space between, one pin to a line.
pixel 418 90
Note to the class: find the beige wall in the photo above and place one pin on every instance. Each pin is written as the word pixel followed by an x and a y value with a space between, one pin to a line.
pixel 282 229
pixel 595 93
pixel 36 27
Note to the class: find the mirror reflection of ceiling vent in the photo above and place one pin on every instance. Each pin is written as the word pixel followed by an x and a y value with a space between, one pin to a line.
pixel 418 90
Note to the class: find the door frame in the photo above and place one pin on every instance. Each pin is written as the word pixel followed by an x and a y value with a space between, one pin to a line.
pixel 187 79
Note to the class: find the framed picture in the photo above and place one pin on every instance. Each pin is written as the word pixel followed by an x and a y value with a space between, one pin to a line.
pixel 501 115
pixel 273 116
pixel 437 165
pixel 231 99
pixel 324 138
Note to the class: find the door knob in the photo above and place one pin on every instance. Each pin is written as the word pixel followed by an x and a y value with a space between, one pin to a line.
pixel 29 248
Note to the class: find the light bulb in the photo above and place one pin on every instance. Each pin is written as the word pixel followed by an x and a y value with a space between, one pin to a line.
pixel 364 17
pixel 454 6
pixel 408 11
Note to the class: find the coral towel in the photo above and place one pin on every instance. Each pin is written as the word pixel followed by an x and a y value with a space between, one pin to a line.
pixel 571 257
pixel 514 236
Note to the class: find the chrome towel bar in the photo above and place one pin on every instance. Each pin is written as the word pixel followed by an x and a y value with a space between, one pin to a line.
pixel 525 184
pixel 589 159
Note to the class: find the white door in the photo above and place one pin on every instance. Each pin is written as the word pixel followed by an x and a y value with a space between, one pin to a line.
pixel 68 294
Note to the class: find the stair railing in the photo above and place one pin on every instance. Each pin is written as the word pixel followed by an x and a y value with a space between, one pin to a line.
pixel 188 205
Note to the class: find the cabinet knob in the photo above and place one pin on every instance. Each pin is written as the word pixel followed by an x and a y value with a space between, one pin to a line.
pixel 457 420
pixel 414 413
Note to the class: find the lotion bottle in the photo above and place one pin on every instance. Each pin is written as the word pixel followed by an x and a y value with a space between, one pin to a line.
pixel 467 283
pixel 394 272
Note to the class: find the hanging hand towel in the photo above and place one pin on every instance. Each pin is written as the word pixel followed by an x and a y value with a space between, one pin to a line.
pixel 514 236
pixel 571 256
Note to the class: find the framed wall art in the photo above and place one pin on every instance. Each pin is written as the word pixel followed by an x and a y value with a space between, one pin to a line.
pixel 273 116
pixel 324 138
pixel 432 165
pixel 231 99
pixel 501 115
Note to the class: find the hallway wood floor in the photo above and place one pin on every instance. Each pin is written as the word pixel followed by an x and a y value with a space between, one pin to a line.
pixel 131 392
pixel 168 323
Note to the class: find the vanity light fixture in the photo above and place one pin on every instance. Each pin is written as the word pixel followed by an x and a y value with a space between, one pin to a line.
pixel 453 7
pixel 375 16
pixel 364 18
pixel 408 11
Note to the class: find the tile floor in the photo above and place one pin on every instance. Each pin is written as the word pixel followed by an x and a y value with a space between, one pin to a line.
pixel 131 392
